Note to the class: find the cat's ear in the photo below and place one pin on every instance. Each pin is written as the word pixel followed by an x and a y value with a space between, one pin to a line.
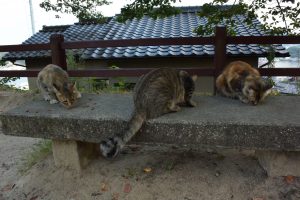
pixel 75 84
pixel 194 77
pixel 72 85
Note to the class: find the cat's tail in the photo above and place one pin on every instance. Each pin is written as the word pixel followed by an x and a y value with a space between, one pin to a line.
pixel 111 146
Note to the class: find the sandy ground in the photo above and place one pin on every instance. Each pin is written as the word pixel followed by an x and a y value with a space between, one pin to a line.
pixel 140 173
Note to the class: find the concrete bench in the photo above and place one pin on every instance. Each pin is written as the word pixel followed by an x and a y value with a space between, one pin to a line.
pixel 272 128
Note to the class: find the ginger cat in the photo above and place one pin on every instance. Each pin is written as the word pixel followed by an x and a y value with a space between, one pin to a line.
pixel 240 80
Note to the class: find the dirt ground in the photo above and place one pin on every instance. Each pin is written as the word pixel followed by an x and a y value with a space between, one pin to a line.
pixel 139 173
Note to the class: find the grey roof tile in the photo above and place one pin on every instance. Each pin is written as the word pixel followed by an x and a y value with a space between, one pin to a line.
pixel 181 25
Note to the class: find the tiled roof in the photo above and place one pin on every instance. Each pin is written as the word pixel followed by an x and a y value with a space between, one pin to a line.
pixel 76 32
pixel 181 25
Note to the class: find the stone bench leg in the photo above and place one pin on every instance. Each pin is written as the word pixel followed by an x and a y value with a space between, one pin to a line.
pixel 73 154
pixel 279 163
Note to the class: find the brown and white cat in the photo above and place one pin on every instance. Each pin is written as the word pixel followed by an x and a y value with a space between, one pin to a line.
pixel 240 80
pixel 55 87
pixel 159 92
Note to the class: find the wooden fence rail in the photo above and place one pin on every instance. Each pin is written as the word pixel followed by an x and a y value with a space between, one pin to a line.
pixel 58 48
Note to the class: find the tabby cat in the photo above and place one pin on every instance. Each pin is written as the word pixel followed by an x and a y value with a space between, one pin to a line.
pixel 55 87
pixel 156 93
pixel 240 80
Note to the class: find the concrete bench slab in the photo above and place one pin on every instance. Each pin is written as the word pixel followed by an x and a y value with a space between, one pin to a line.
pixel 216 122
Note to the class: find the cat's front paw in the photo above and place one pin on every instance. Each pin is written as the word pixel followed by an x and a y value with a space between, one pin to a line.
pixel 53 101
pixel 244 99
pixel 110 147
pixel 78 95
pixel 47 97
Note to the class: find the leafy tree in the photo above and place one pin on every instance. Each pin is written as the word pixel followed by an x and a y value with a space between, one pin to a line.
pixel 5 80
pixel 271 12
pixel 153 8
pixel 84 10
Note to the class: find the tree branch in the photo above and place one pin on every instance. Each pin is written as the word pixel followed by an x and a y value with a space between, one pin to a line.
pixel 283 16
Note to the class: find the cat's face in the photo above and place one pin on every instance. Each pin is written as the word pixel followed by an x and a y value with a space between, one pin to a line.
pixel 256 89
pixel 68 95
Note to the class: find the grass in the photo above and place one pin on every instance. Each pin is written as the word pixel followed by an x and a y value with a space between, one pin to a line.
pixel 39 151
pixel 169 164
pixel 10 88
pixel 131 173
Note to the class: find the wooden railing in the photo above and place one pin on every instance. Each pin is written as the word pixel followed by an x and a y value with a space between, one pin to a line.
pixel 58 48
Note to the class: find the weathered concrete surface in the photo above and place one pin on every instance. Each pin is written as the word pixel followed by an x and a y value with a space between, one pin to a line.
pixel 73 154
pixel 279 163
pixel 216 122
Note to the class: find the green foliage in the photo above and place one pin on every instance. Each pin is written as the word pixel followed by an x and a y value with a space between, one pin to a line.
pixel 217 13
pixel 5 80
pixel 119 84
pixel 2 62
pixel 39 151
pixel 73 60
pixel 275 12
pixel 153 8
pixel 93 84
pixel 84 10
pixel 271 55
pixel 271 12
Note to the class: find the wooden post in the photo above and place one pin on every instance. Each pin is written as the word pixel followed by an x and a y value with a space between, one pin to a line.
pixel 220 51
pixel 58 54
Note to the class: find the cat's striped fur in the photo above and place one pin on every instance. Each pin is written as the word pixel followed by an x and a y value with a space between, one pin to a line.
pixel 156 93
pixel 241 80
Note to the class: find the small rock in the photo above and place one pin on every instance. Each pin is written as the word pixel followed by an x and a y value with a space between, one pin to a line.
pixel 258 198
pixel 289 179
pixel 34 198
pixel 104 187
pixel 217 174
pixel 96 194
pixel 8 188
pixel 147 169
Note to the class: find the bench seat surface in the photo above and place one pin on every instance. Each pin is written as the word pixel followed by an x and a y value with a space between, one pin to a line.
pixel 216 121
